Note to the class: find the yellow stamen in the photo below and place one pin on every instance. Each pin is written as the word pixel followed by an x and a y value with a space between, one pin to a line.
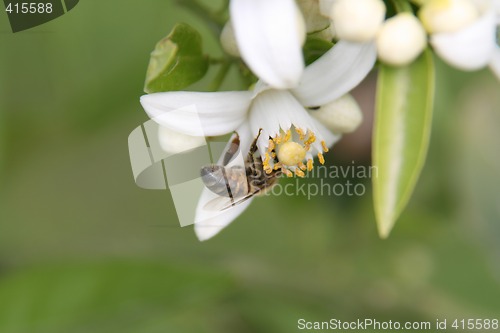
pixel 301 133
pixel 321 158
pixel 310 139
pixel 310 164
pixel 277 139
pixel 325 148
pixel 287 172
pixel 288 135
pixel 265 163
pixel 302 166
pixel 299 173
pixel 277 166
pixel 271 146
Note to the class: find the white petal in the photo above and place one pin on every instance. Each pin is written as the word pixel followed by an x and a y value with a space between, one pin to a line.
pixel 269 36
pixel 470 48
pixel 276 110
pixel 174 142
pixel 495 63
pixel 338 71
pixel 208 223
pixel 198 113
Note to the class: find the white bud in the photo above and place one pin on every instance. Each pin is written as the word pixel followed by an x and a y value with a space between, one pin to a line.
pixel 447 15
pixel 340 116
pixel 174 142
pixel 313 19
pixel 357 20
pixel 228 40
pixel 401 40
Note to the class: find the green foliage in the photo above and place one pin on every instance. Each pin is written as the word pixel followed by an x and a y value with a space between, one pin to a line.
pixel 314 48
pixel 401 135
pixel 111 297
pixel 177 61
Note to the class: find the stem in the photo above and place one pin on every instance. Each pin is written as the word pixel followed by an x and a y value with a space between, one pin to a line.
pixel 219 78
pixel 402 6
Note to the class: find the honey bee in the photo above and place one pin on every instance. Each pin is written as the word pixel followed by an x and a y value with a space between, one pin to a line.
pixel 237 184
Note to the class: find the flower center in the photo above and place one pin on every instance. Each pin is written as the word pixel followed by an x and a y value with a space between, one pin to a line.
pixel 289 151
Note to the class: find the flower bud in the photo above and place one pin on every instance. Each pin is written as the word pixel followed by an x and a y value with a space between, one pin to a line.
pixel 447 15
pixel 401 40
pixel 357 20
pixel 340 116
pixel 228 40
pixel 174 142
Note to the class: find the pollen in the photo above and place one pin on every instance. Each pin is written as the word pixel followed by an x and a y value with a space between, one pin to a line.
pixel 287 172
pixel 291 153
pixel 271 146
pixel 265 164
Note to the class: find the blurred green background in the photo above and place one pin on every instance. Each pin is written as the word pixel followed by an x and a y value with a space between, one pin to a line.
pixel 82 249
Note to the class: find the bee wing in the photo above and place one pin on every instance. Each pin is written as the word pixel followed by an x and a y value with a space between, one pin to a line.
pixel 223 203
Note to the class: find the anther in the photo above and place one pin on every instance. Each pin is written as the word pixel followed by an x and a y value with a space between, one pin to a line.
pixel 310 164
pixel 299 173
pixel 325 148
pixel 301 133
pixel 321 158
pixel 288 135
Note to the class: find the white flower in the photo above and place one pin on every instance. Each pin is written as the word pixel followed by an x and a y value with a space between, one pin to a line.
pixel 401 40
pixel 265 32
pixel 283 116
pixel 474 46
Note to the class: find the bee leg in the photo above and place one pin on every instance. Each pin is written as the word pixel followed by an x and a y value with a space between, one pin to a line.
pixel 257 170
pixel 253 146
pixel 232 150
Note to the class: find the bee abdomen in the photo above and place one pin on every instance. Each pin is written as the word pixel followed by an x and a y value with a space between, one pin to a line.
pixel 227 182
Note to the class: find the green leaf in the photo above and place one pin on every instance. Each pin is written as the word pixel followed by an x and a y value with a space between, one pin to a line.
pixel 177 61
pixel 401 135
pixel 314 48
